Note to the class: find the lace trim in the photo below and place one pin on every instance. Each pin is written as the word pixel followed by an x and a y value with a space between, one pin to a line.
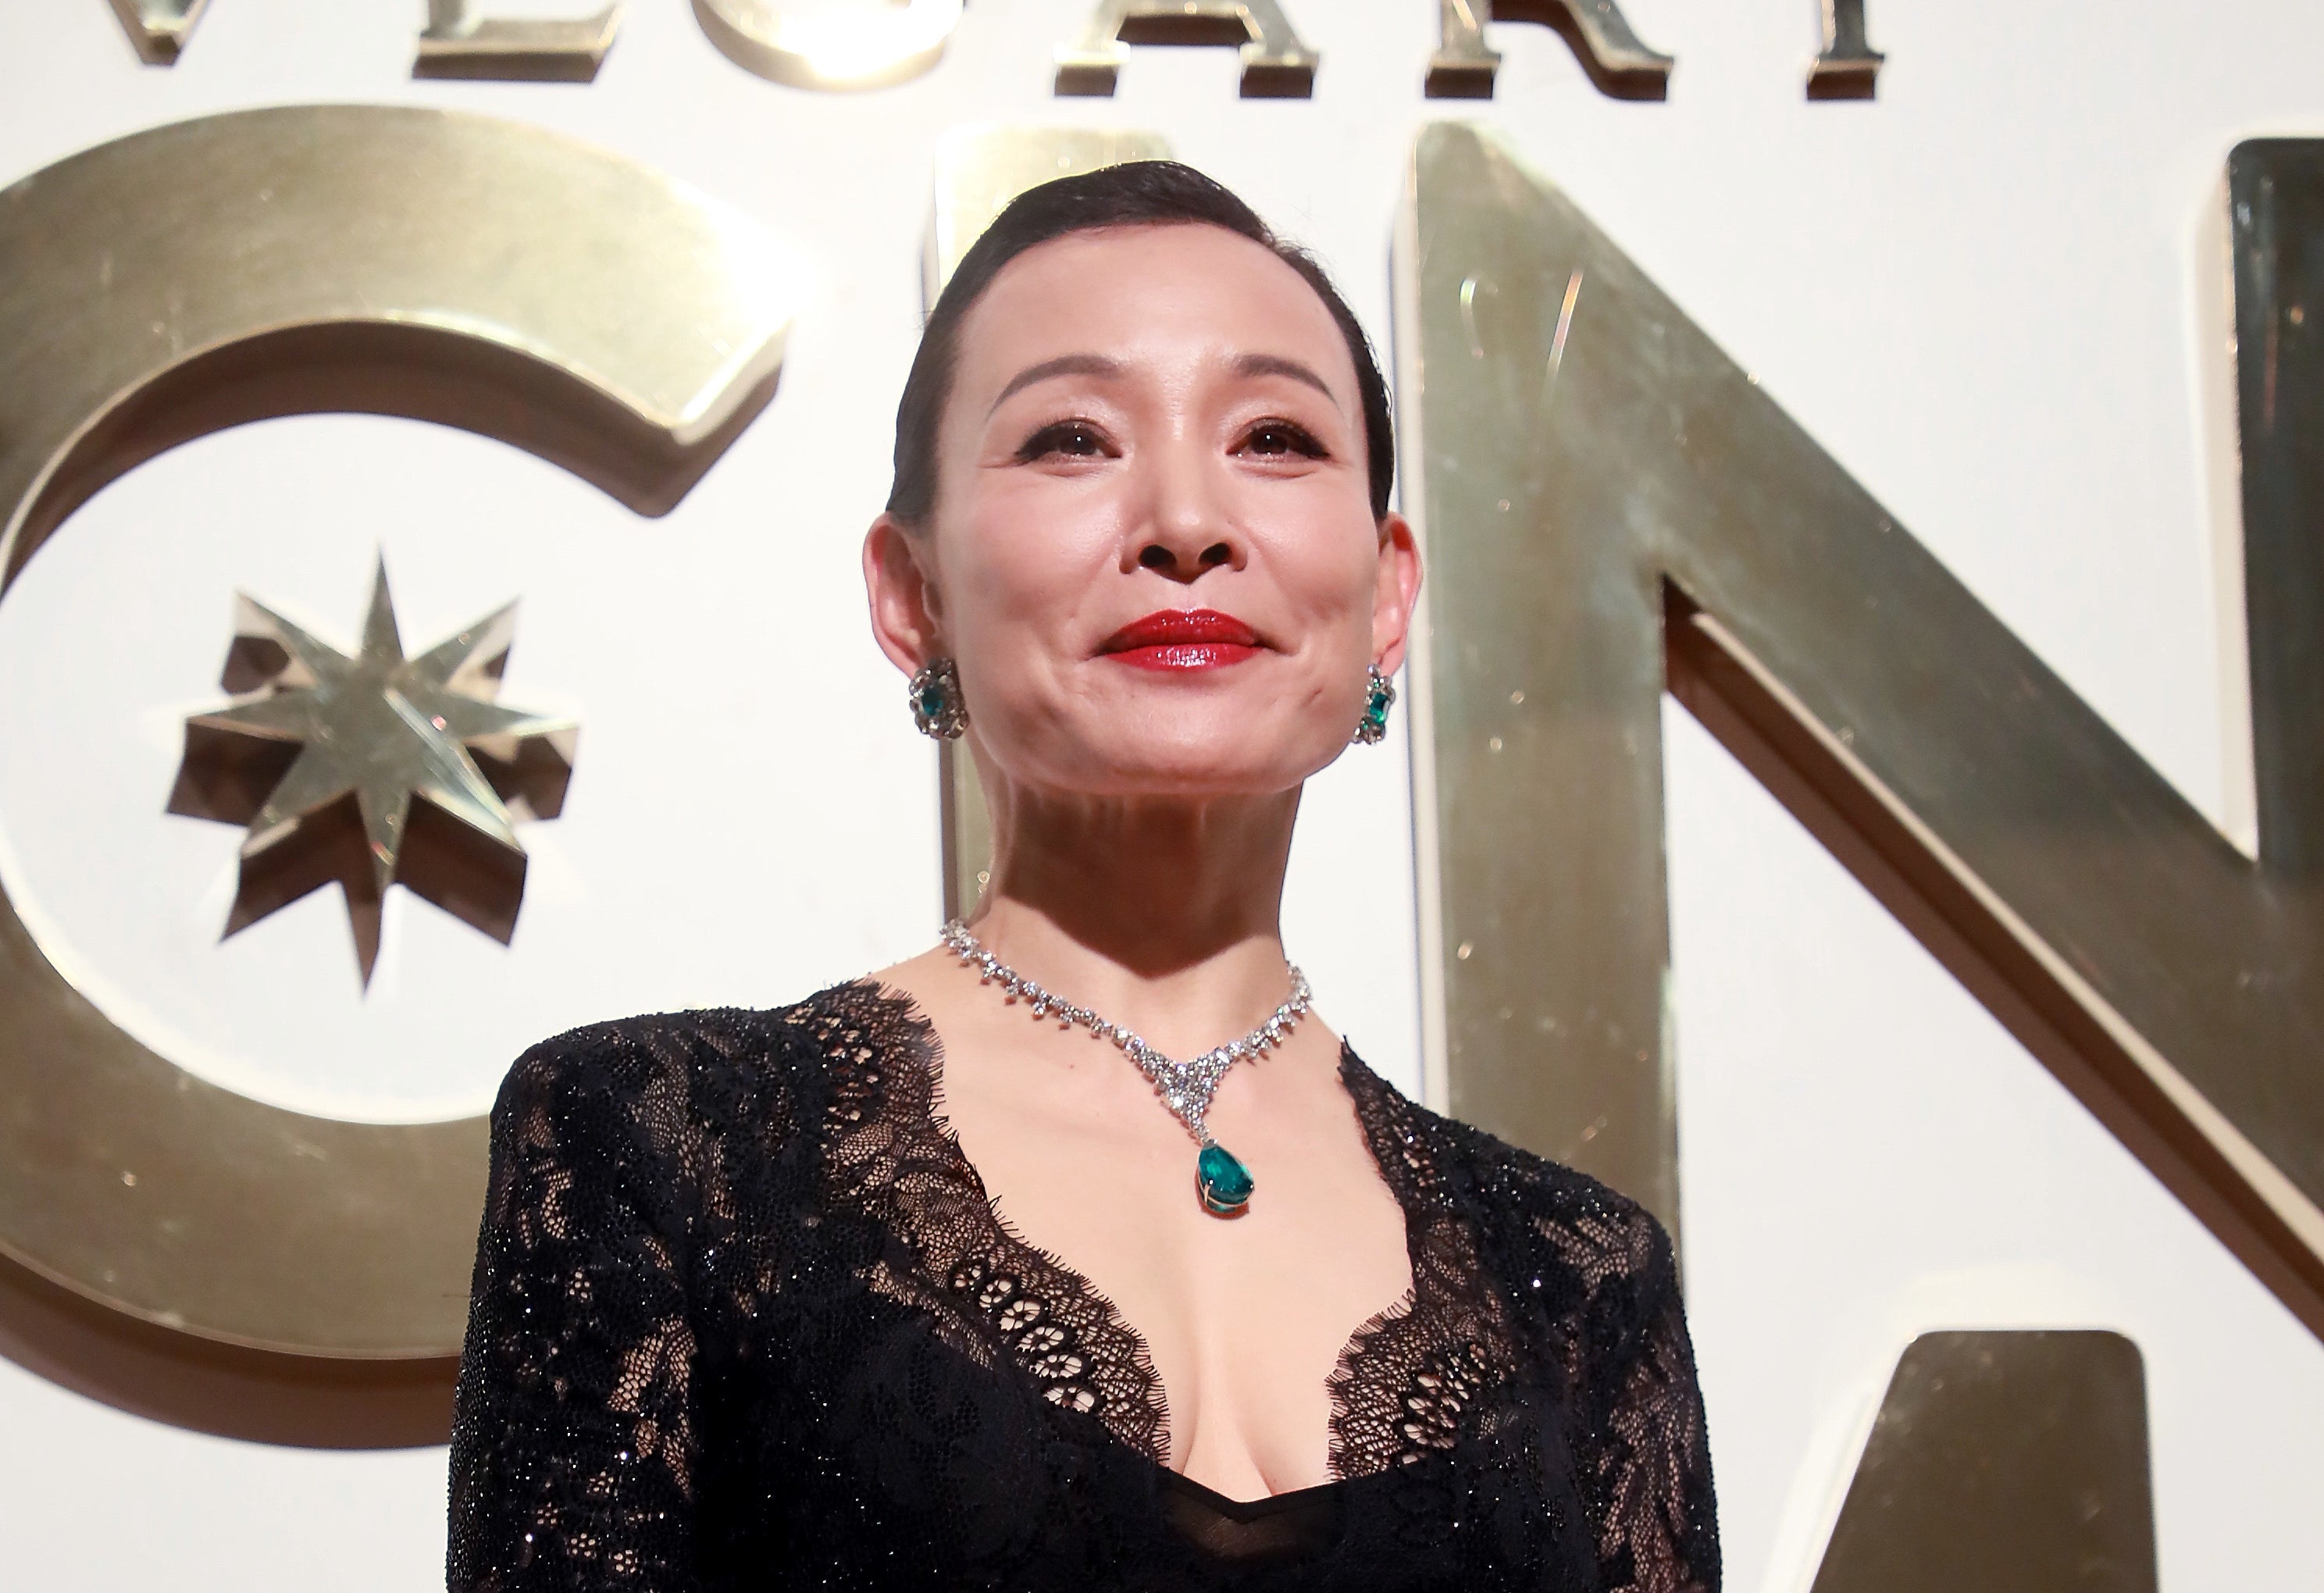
pixel 893 1158
pixel 1410 1379
pixel 1401 1389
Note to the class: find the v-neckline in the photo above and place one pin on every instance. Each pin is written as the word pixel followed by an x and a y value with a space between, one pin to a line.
pixel 930 1043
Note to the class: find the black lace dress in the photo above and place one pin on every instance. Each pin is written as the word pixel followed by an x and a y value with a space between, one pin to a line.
pixel 744 1319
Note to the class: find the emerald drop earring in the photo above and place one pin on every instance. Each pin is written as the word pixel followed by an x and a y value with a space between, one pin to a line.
pixel 1372 728
pixel 938 707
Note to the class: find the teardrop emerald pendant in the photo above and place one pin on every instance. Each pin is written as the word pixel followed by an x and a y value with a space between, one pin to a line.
pixel 1223 1182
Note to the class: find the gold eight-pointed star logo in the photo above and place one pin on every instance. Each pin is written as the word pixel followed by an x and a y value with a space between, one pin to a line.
pixel 375 768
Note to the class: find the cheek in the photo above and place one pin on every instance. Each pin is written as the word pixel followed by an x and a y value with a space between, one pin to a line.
pixel 1027 565
pixel 1016 581
pixel 1329 571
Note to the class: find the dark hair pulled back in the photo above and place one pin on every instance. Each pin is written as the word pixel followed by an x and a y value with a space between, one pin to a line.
pixel 1138 193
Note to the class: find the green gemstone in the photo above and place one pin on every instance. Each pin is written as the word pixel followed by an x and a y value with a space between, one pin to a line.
pixel 1223 1182
pixel 1377 713
pixel 932 703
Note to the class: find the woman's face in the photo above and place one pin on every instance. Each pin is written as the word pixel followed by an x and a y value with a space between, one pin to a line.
pixel 1152 556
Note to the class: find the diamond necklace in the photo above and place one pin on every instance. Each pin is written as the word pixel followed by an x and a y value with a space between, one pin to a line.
pixel 1221 1179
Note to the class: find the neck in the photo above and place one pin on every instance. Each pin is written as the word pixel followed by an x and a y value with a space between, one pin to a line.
pixel 1162 916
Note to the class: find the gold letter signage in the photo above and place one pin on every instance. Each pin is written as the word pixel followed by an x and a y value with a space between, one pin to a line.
pixel 1847 67
pixel 1610 51
pixel 159 29
pixel 874 43
pixel 1274 63
pixel 824 46
pixel 2007 1462
pixel 462 41
pixel 487 275
pixel 1611 507
pixel 459 41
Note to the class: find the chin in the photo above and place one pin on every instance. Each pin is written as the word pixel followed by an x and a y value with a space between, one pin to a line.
pixel 1212 761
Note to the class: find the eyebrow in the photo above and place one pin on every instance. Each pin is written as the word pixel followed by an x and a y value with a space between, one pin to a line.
pixel 1067 364
pixel 1098 364
pixel 1275 364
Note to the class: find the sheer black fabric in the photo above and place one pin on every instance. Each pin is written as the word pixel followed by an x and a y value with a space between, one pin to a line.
pixel 744 1318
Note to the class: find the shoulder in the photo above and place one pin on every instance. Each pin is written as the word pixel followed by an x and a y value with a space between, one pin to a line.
pixel 634 1057
pixel 1588 1223
pixel 662 1070
pixel 1534 1210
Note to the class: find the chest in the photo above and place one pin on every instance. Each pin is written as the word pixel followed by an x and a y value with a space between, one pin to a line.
pixel 904 1378
pixel 1245 1319
pixel 974 1419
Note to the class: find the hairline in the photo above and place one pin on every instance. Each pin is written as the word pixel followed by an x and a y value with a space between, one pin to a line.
pixel 947 369
pixel 1250 365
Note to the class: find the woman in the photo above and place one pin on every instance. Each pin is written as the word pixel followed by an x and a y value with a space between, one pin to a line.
pixel 917 1285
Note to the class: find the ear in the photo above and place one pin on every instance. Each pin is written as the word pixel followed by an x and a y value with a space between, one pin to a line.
pixel 1396 593
pixel 904 608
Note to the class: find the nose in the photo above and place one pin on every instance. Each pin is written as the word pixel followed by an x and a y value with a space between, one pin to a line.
pixel 1188 531
pixel 1171 559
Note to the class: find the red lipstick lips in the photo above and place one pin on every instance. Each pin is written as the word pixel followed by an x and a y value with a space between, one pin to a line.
pixel 1190 639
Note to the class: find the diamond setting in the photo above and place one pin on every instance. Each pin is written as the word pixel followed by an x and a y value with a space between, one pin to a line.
pixel 1221 1179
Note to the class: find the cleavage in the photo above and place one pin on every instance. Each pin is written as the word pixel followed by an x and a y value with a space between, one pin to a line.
pixel 1066 1332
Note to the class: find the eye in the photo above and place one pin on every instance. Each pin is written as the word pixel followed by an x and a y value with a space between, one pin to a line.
pixel 1277 438
pixel 1073 440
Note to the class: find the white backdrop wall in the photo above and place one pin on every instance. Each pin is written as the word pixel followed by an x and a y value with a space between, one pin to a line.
pixel 1983 292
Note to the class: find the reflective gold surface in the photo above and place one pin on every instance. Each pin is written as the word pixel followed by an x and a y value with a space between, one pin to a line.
pixel 1847 67
pixel 1276 63
pixel 463 41
pixel 387 753
pixel 1609 48
pixel 159 29
pixel 1537 685
pixel 158 1373
pixel 2002 1462
pixel 1597 484
pixel 453 268
pixel 978 170
pixel 869 45
pixel 2276 205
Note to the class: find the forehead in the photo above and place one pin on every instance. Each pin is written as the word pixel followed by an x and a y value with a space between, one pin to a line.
pixel 1151 295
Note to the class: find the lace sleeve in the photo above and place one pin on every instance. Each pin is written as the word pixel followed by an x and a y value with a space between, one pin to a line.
pixel 573 1438
pixel 1645 1456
